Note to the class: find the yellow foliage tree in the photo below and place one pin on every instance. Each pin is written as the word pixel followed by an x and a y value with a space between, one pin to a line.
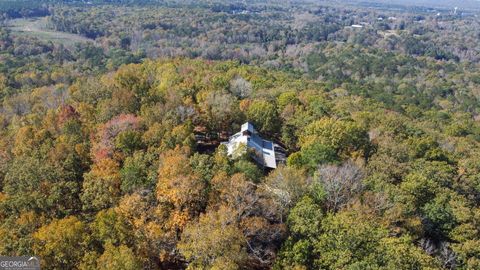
pixel 214 242
pixel 60 244
pixel 179 187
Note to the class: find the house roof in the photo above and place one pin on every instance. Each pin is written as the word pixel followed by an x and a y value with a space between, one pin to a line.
pixel 264 149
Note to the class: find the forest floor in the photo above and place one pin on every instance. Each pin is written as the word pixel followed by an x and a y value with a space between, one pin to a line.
pixel 37 27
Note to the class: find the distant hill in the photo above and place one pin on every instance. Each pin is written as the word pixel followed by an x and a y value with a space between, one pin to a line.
pixel 468 4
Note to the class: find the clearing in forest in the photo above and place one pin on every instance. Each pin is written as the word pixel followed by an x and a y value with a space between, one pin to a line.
pixel 37 27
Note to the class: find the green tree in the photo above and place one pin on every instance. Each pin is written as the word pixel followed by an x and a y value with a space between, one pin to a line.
pixel 264 116
pixel 35 184
pixel 129 141
pixel 138 173
pixel 312 156
pixel 304 222
pixel 249 169
pixel 101 187
pixel 17 232
pixel 361 243
pixel 347 138
pixel 109 226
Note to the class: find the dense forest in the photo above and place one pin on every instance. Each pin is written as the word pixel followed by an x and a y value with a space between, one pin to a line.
pixel 111 154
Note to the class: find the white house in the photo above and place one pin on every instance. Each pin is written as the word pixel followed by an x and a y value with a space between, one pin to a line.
pixel 248 137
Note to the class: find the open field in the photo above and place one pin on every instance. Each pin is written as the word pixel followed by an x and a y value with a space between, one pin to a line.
pixel 37 27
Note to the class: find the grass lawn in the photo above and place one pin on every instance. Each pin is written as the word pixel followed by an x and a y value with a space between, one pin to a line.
pixel 36 27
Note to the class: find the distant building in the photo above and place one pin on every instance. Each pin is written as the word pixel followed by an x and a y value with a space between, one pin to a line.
pixel 357 26
pixel 266 153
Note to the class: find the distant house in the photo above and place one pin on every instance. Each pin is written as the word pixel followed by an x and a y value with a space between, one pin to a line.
pixel 266 153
